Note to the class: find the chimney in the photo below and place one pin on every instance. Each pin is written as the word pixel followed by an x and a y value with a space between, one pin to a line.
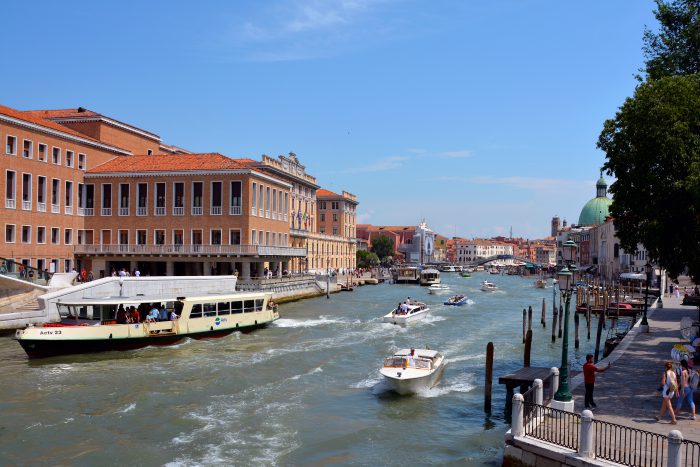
pixel 81 109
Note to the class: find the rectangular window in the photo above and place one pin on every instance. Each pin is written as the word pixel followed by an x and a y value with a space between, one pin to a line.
pixel 55 232
pixel 335 217
pixel 178 237
pixel 106 237
pixel 235 205
pixel 27 192
pixel 286 205
pixel 26 234
pixel 9 233
pixel 254 200
pixel 335 230
pixel 160 199
pixel 43 150
pixel 11 147
pixel 142 197
pixel 159 237
pixel 69 197
pixel 55 195
pixel 279 205
pixel 253 237
pixel 56 156
pixel 197 239
pixel 41 234
pixel 234 237
pixel 141 236
pixel 27 149
pixel 124 194
pixel 106 199
pixel 68 236
pixel 69 159
pixel 260 237
pixel 323 217
pixel 267 202
pixel 274 203
pixel 334 205
pixel 10 189
pixel 274 239
pixel 41 193
pixel 123 237
pixel 261 203
pixel 82 161
pixel 216 237
pixel 89 200
pixel 216 198
pixel 178 199
pixel 267 238
pixel 285 240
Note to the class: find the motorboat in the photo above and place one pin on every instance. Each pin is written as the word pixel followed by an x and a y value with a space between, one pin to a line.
pixel 450 268
pixel 494 270
pixel 465 274
pixel 487 286
pixel 429 276
pixel 456 300
pixel 406 274
pixel 407 312
pixel 438 289
pixel 541 283
pixel 111 323
pixel 410 371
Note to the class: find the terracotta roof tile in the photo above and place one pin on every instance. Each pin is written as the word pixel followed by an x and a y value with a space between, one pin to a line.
pixel 31 117
pixel 326 193
pixel 168 163
pixel 79 113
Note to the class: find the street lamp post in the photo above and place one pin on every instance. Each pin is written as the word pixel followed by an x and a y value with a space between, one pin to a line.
pixel 567 281
pixel 644 325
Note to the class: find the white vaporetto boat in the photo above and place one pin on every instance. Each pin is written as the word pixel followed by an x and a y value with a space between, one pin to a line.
pixel 438 289
pixel 487 286
pixel 429 277
pixel 407 312
pixel 101 324
pixel 410 371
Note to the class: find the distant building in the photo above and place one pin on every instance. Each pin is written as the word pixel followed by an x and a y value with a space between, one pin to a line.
pixel 556 225
pixel 596 210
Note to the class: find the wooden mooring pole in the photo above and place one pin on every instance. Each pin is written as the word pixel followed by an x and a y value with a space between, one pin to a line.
pixel 529 317
pixel 488 379
pixel 601 320
pixel 554 325
pixel 576 322
pixel 528 348
pixel 543 320
pixel 524 323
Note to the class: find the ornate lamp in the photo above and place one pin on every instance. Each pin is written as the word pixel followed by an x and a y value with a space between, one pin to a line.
pixel 567 280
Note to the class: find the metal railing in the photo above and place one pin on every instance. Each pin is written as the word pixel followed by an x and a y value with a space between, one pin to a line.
pixel 628 446
pixel 10 267
pixel 141 211
pixel 234 211
pixel 690 453
pixel 41 207
pixel 215 211
pixel 552 425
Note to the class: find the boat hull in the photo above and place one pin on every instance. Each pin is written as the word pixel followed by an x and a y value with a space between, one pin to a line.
pixel 403 319
pixel 408 386
pixel 42 348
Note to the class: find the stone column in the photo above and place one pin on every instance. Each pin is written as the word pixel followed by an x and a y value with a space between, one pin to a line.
pixel 279 268
pixel 555 379
pixel 675 441
pixel 539 392
pixel 516 427
pixel 586 448
pixel 169 268
pixel 245 270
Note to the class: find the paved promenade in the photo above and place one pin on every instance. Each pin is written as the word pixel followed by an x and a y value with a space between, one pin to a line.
pixel 627 393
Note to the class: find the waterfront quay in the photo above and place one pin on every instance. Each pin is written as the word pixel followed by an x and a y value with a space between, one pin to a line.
pixel 624 428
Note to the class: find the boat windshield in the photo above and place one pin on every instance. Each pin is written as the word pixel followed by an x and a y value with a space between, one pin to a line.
pixel 407 362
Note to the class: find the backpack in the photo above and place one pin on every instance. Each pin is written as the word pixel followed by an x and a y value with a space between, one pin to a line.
pixel 694 380
pixel 671 383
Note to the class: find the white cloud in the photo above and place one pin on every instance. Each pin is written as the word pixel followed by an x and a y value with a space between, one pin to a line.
pixel 388 163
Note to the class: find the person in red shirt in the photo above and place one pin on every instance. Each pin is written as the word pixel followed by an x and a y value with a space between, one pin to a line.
pixel 589 371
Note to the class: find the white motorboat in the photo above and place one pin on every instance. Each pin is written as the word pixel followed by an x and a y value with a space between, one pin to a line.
pixel 406 312
pixel 115 323
pixel 429 276
pixel 487 286
pixel 450 268
pixel 438 289
pixel 541 283
pixel 410 371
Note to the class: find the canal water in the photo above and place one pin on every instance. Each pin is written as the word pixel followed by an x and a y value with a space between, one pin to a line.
pixel 304 391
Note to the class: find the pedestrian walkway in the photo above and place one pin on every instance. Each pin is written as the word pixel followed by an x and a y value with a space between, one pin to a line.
pixel 627 393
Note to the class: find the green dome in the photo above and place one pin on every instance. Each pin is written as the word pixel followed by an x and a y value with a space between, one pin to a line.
pixel 595 211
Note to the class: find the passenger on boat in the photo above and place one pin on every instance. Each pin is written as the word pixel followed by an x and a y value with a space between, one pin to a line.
pixel 121 315
pixel 153 315
pixel 173 316
pixel 135 315
pixel 163 313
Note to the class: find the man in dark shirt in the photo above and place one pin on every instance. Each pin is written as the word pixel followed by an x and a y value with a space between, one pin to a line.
pixel 589 371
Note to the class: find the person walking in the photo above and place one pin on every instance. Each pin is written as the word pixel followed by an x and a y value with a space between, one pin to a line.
pixel 669 386
pixel 589 371
pixel 685 391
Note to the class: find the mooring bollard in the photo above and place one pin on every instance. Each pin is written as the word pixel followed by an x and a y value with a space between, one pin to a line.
pixel 539 391
pixel 555 379
pixel 586 448
pixel 516 425
pixel 488 379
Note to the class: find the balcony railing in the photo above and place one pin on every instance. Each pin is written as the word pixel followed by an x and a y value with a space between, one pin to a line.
pixel 234 211
pixel 123 211
pixel 106 212
pixel 159 211
pixel 253 211
pixel 27 205
pixel 55 209
pixel 251 250
pixel 178 211
pixel 68 209
pixel 215 211
pixel 10 203
pixel 41 207
pixel 141 211
pixel 89 211
pixel 196 210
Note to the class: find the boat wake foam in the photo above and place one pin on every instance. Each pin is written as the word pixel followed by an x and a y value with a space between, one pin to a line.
pixel 298 323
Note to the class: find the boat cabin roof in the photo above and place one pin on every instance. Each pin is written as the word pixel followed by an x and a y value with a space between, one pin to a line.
pixel 212 297
pixel 426 353
pixel 430 271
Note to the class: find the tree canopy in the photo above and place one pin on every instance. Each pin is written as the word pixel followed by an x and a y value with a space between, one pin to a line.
pixel 675 48
pixel 365 259
pixel 652 147
pixel 383 246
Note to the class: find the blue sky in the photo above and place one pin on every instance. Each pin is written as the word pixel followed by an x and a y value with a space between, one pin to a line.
pixel 476 115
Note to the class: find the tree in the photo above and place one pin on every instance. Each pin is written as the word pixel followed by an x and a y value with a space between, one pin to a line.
pixel 652 147
pixel 383 246
pixel 365 259
pixel 675 49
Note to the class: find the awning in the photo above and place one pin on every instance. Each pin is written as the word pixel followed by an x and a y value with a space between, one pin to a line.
pixel 633 276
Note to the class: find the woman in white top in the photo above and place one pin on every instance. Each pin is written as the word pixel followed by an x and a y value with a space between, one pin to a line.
pixel 668 390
